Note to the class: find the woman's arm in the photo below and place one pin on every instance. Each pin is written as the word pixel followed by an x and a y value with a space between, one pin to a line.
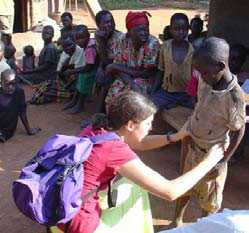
pixel 156 141
pixel 156 184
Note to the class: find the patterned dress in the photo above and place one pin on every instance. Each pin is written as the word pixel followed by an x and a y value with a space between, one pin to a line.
pixel 146 57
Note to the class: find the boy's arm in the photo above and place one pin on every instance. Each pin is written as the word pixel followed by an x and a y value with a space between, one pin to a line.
pixel 234 143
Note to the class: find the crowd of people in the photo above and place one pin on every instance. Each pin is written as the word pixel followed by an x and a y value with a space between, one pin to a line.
pixel 134 76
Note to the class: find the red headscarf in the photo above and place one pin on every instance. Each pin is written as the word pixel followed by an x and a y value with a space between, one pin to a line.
pixel 137 18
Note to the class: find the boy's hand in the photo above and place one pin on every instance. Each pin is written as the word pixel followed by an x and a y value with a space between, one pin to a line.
pixel 34 131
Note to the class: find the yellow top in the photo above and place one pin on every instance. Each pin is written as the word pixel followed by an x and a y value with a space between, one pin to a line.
pixel 176 76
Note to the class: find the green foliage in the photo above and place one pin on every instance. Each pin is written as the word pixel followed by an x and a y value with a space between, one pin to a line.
pixel 138 4
pixel 129 4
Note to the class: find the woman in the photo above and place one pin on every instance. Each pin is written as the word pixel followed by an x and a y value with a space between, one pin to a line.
pixel 130 117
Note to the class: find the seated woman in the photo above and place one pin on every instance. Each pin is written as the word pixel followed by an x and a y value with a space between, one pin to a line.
pixel 12 106
pixel 135 63
pixel 107 38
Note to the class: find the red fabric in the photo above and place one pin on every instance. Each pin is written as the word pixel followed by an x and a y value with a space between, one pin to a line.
pixel 101 167
pixel 134 19
pixel 192 84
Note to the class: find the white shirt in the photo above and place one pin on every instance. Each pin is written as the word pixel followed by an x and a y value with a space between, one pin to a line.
pixel 77 58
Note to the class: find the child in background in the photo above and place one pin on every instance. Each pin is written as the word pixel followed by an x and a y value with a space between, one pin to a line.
pixel 196 37
pixel 175 66
pixel 86 73
pixel 28 60
pixel 48 59
pixel 237 58
pixel 166 34
pixel 9 55
pixel 220 109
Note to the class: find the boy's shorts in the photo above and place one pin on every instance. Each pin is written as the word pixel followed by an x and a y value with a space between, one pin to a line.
pixel 209 191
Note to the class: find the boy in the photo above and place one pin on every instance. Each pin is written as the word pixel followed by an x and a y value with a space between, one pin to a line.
pixel 28 60
pixel 12 106
pixel 196 37
pixel 219 110
pixel 175 66
pixel 48 58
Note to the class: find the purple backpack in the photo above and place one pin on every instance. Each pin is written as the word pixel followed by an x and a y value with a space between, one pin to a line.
pixel 50 185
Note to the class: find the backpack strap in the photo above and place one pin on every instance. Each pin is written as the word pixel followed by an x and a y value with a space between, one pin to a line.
pixel 110 136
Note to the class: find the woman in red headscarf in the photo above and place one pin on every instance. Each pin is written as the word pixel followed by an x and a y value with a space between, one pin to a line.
pixel 135 63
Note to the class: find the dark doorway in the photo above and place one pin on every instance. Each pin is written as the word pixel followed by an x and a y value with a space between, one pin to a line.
pixel 21 16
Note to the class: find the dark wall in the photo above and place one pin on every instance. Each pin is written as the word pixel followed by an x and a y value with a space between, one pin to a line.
pixel 230 19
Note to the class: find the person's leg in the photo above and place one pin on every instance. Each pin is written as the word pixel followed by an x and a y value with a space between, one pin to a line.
pixel 100 108
pixel 186 164
pixel 210 190
pixel 72 102
pixel 181 205
pixel 79 106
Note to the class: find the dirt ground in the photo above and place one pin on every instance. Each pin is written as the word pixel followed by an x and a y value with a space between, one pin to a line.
pixel 51 119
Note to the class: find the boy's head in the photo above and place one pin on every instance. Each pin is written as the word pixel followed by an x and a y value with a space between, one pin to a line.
pixel 179 26
pixel 1 50
pixel 8 81
pixel 9 51
pixel 196 26
pixel 237 57
pixel 68 45
pixel 166 33
pixel 6 38
pixel 211 60
pixel 47 33
pixel 105 21
pixel 82 35
pixel 137 24
pixel 28 50
pixel 67 20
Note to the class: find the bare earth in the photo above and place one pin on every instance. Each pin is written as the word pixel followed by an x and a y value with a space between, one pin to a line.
pixel 51 119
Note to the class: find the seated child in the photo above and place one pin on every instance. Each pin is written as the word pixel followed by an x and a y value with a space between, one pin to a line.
pixel 12 106
pixel 175 66
pixel 9 55
pixel 166 34
pixel 220 109
pixel 48 58
pixel 237 58
pixel 28 60
pixel 87 72
pixel 196 37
